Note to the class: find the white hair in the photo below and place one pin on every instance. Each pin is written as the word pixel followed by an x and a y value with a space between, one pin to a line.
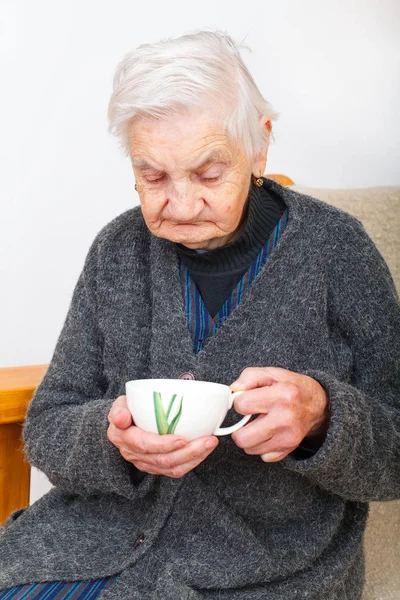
pixel 196 70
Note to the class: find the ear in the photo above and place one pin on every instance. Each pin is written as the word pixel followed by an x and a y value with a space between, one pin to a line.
pixel 260 160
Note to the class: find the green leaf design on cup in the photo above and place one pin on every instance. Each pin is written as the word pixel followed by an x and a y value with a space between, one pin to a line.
pixel 171 402
pixel 175 420
pixel 163 426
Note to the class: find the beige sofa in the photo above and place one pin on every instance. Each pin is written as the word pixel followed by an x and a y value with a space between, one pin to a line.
pixel 379 211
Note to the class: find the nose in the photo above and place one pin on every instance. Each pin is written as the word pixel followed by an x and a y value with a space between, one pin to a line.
pixel 184 204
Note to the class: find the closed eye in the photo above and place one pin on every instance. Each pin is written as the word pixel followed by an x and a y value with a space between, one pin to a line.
pixel 211 179
pixel 158 180
pixel 213 173
pixel 202 176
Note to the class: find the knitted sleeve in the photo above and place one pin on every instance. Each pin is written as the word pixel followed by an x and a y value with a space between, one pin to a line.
pixel 360 457
pixel 65 432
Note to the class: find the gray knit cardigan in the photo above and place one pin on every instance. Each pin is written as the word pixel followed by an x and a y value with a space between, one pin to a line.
pixel 235 527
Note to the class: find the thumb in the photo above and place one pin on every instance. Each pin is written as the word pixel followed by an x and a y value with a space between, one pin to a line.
pixel 120 415
pixel 122 418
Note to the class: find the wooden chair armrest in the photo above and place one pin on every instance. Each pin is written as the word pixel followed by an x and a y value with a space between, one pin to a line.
pixel 17 386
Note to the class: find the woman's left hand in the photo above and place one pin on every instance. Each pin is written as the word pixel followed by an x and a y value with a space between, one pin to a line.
pixel 290 406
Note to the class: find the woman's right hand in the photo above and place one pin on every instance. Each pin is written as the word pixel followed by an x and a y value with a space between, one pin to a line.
pixel 168 455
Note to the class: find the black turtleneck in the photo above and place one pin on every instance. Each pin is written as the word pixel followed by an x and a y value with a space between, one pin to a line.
pixel 216 272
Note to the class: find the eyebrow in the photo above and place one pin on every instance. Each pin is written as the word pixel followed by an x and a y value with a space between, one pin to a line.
pixel 215 156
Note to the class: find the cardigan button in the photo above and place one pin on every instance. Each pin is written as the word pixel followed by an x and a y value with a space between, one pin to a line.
pixel 139 541
pixel 188 376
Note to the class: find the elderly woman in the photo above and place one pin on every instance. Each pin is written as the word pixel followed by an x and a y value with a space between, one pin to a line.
pixel 224 276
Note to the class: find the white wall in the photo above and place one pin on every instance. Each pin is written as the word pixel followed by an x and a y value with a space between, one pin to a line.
pixel 331 68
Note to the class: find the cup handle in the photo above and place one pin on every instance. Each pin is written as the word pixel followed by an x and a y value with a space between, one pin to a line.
pixel 232 428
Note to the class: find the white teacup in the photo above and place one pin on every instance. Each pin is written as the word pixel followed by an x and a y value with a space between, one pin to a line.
pixel 187 408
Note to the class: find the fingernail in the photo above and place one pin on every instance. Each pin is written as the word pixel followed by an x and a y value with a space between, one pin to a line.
pixel 239 402
pixel 210 444
pixel 113 414
pixel 236 385
pixel 271 456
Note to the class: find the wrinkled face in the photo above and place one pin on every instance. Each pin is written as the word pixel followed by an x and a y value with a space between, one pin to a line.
pixel 192 180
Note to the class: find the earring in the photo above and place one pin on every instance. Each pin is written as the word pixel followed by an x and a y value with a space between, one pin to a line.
pixel 258 181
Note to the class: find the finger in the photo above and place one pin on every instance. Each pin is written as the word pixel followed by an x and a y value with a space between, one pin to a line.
pixel 280 444
pixel 194 451
pixel 120 402
pixel 275 456
pixel 134 442
pixel 144 442
pixel 253 377
pixel 181 470
pixel 119 405
pixel 176 464
pixel 255 401
pixel 254 433
pixel 123 419
pixel 273 445
pixel 263 400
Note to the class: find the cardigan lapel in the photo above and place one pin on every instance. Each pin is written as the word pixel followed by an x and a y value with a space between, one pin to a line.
pixel 174 356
